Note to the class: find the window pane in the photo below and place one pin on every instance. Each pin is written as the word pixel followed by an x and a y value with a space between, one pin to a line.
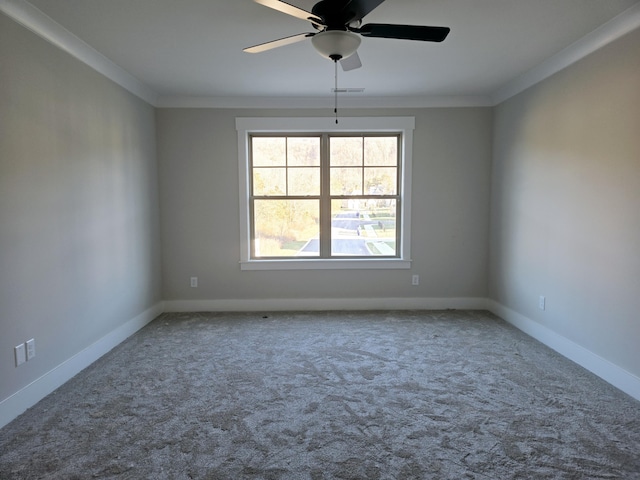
pixel 269 181
pixel 283 228
pixel 381 151
pixel 304 181
pixel 346 151
pixel 363 227
pixel 303 151
pixel 380 181
pixel 269 151
pixel 346 181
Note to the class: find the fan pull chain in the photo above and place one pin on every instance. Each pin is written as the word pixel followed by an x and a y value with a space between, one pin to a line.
pixel 335 90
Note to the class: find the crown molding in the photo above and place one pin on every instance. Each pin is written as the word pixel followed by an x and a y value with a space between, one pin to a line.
pixel 349 101
pixel 615 28
pixel 44 26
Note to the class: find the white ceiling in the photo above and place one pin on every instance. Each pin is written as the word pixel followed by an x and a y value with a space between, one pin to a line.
pixel 193 48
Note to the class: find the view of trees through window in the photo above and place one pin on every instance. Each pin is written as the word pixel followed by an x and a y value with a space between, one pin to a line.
pixel 324 195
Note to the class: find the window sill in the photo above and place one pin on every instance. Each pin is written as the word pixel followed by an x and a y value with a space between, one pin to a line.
pixel 347 264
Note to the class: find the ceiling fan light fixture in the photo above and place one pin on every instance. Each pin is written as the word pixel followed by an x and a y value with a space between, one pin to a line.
pixel 336 44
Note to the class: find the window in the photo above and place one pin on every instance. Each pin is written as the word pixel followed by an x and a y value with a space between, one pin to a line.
pixel 315 195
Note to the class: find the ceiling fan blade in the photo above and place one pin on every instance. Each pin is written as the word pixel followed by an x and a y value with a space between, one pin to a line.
pixel 351 62
pixel 355 10
pixel 278 43
pixel 404 32
pixel 292 10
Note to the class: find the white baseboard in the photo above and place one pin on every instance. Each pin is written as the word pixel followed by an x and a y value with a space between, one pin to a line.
pixel 318 304
pixel 28 396
pixel 611 373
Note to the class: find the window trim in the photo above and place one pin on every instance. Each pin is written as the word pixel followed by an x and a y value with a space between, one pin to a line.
pixel 283 125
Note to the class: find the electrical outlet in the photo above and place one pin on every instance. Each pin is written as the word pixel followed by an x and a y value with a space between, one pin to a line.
pixel 541 302
pixel 20 353
pixel 194 282
pixel 31 348
pixel 415 280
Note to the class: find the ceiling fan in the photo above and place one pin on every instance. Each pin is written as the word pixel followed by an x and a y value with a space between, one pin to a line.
pixel 339 26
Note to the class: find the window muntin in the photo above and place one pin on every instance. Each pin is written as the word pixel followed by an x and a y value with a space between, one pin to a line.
pixel 325 195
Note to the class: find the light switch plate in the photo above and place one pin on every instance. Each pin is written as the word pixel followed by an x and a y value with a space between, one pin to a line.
pixel 21 355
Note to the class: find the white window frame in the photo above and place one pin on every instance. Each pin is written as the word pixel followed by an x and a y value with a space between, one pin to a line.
pixel 246 126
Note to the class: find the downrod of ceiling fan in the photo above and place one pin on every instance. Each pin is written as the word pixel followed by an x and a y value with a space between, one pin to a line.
pixel 335 66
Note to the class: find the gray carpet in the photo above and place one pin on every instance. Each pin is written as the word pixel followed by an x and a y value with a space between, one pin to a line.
pixel 356 395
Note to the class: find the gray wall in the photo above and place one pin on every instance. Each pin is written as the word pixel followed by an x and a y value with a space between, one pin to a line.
pixel 82 217
pixel 198 164
pixel 566 203
pixel 79 222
